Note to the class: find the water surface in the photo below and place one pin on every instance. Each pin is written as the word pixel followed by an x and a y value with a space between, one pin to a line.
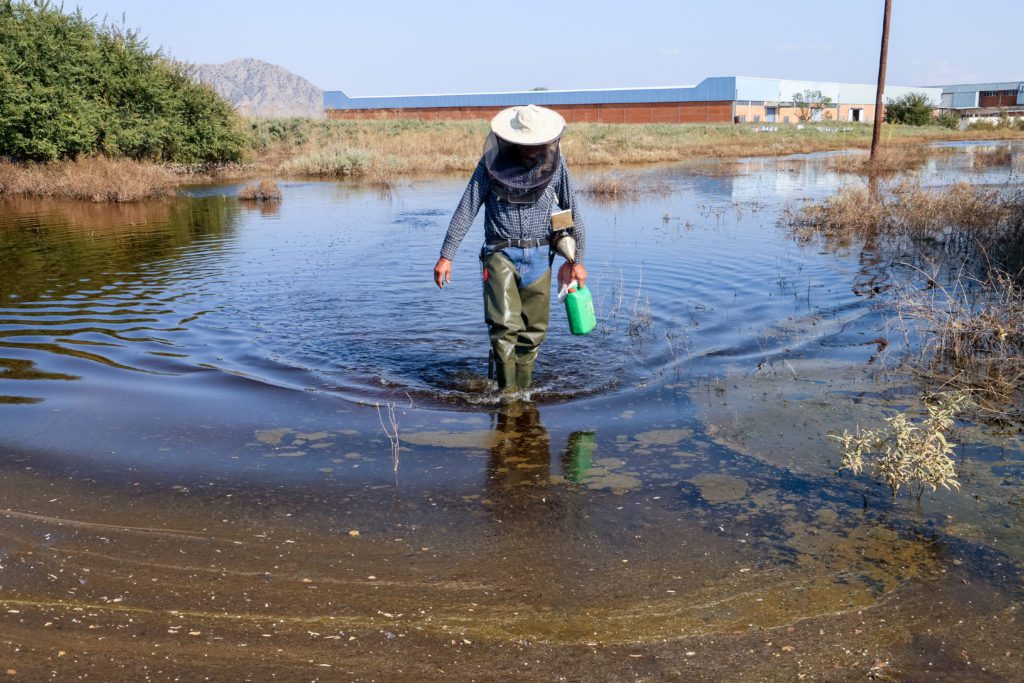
pixel 194 400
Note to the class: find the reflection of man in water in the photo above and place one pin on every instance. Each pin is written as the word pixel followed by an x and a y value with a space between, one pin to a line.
pixel 519 181
pixel 523 455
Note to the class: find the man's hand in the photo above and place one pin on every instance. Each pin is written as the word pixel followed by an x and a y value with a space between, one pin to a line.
pixel 572 271
pixel 443 272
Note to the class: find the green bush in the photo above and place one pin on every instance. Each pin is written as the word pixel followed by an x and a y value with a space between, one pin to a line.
pixel 912 109
pixel 1005 122
pixel 948 120
pixel 69 87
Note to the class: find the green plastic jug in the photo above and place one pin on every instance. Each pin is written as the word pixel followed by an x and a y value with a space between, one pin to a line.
pixel 579 307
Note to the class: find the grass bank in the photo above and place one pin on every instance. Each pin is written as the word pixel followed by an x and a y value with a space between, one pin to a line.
pixel 95 179
pixel 380 150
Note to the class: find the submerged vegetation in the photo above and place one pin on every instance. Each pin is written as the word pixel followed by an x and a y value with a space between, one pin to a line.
pixel 888 161
pixel 71 88
pixel 263 191
pixel 989 158
pixel 966 245
pixel 976 220
pixel 622 186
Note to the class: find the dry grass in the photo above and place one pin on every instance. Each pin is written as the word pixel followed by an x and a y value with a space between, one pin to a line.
pixel 95 179
pixel 378 151
pixel 888 161
pixel 961 210
pixel 613 186
pixel 617 186
pixel 992 158
pixel 359 149
pixel 263 191
pixel 974 338
pixel 973 328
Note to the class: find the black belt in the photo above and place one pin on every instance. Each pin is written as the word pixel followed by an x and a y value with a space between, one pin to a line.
pixel 518 244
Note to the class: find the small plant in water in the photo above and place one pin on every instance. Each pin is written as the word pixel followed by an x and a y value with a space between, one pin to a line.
pixel 263 191
pixel 908 453
pixel 391 430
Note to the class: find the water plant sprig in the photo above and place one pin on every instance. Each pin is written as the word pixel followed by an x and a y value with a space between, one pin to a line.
pixel 908 453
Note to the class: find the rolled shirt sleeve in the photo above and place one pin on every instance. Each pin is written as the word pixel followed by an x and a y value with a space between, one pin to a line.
pixel 465 213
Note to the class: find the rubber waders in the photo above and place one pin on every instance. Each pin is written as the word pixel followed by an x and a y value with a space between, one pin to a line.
pixel 517 320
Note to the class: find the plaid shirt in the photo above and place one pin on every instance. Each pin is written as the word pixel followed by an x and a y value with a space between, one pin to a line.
pixel 503 220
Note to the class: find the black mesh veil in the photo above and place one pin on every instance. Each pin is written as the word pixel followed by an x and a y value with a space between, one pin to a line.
pixel 520 173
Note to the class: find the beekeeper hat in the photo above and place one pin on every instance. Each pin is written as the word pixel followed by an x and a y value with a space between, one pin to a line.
pixel 528 125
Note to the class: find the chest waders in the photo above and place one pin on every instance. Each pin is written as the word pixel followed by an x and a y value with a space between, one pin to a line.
pixel 517 298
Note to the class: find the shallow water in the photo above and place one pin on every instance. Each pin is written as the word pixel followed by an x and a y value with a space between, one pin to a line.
pixel 180 377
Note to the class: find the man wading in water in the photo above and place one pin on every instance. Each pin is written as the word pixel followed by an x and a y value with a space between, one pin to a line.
pixel 520 180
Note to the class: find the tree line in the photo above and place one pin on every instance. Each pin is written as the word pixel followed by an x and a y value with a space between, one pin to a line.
pixel 72 87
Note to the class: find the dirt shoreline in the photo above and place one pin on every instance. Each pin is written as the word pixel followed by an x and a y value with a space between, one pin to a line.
pixel 380 152
pixel 131 581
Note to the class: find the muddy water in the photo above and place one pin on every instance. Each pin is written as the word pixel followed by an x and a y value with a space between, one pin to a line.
pixel 197 480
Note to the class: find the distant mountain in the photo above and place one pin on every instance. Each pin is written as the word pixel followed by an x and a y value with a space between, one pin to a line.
pixel 258 88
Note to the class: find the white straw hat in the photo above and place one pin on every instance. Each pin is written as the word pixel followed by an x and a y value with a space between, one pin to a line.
pixel 528 125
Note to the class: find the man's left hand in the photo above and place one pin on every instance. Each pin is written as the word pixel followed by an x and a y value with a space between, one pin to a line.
pixel 572 271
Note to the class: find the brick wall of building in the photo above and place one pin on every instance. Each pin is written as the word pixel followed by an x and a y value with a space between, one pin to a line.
pixel 659 112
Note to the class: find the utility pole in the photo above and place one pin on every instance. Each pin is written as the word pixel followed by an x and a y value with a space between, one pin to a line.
pixel 881 79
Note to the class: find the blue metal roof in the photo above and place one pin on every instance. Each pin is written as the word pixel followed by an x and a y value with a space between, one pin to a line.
pixel 708 90
pixel 977 87
pixel 716 89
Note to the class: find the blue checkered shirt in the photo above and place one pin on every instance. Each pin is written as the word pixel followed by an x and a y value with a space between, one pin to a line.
pixel 504 220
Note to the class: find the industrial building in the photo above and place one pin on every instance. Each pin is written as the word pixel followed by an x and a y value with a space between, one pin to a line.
pixel 724 99
pixel 976 101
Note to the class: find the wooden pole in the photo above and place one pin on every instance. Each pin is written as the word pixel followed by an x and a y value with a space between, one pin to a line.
pixel 881 79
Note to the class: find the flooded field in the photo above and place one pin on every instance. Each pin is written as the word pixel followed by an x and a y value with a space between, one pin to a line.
pixel 198 481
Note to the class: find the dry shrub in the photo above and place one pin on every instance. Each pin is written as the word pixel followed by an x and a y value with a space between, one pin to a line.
pixel 975 338
pixel 991 158
pixel 96 179
pixel 888 161
pixel 726 169
pixel 973 328
pixel 961 211
pixel 263 191
pixel 849 214
pixel 613 186
pixel 984 320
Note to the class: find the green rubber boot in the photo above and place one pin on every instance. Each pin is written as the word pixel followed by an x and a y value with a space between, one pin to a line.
pixel 502 313
pixel 524 375
pixel 535 310
pixel 517 320
pixel 506 376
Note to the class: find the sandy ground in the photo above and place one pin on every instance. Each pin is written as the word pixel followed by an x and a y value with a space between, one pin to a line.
pixel 107 581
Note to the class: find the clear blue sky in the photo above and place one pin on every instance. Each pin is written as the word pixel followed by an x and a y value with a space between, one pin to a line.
pixel 375 47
